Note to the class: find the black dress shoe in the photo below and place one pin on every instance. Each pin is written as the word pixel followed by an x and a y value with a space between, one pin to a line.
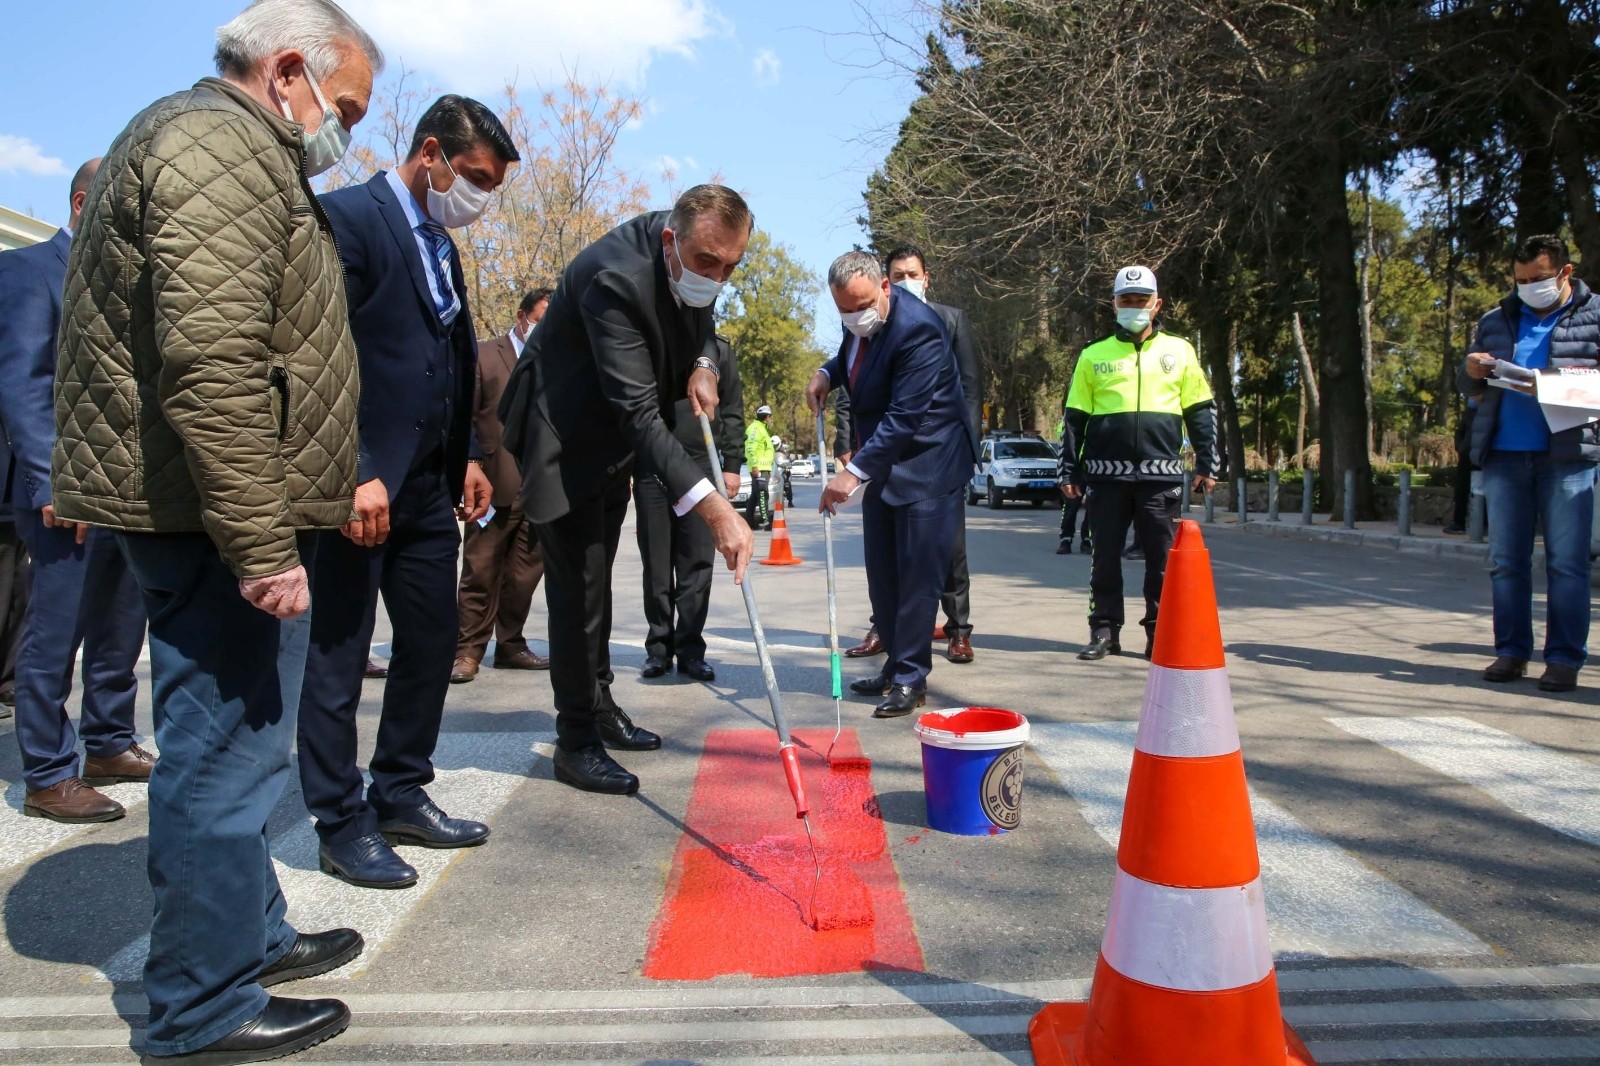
pixel 426 826
pixel 655 666
pixel 366 862
pixel 1064 546
pixel 590 769
pixel 285 1027
pixel 313 953
pixel 697 670
pixel 1505 668
pixel 901 701
pixel 872 686
pixel 620 734
pixel 1100 645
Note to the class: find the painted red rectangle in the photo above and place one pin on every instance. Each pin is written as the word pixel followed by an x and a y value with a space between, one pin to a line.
pixel 739 898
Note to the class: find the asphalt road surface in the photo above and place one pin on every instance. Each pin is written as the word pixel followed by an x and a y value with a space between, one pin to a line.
pixel 1430 844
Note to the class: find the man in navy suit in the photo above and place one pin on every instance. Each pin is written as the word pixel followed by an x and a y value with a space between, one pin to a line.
pixel 13 584
pixel 419 474
pixel 912 451
pixel 82 592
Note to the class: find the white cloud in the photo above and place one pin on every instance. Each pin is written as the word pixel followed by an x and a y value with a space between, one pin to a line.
pixel 18 155
pixel 768 67
pixel 477 46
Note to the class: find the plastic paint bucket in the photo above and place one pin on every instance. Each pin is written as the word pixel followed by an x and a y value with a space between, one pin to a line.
pixel 972 769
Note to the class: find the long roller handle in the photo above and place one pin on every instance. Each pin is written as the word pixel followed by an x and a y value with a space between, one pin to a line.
pixel 833 587
pixel 786 751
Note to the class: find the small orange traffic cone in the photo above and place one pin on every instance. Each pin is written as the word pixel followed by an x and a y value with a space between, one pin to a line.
pixel 781 553
pixel 1185 971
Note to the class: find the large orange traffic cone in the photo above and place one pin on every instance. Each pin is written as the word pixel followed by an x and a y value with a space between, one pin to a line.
pixel 1185 971
pixel 781 553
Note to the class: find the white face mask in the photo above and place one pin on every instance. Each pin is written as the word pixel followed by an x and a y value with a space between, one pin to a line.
pixel 917 287
pixel 327 146
pixel 695 290
pixel 1540 295
pixel 1134 319
pixel 460 205
pixel 863 323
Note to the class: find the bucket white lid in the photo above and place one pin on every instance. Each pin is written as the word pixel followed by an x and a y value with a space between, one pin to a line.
pixel 933 728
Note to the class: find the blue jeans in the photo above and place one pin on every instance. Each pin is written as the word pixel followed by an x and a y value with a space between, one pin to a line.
pixel 225 684
pixel 82 595
pixel 1518 487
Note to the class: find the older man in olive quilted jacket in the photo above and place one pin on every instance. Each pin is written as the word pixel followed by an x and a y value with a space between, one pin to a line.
pixel 206 409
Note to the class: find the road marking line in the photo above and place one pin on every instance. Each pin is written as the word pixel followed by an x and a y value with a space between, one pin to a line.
pixel 1560 792
pixel 1365 979
pixel 1273 575
pixel 477 774
pixel 22 839
pixel 918 1027
pixel 1321 900
pixel 1471 1048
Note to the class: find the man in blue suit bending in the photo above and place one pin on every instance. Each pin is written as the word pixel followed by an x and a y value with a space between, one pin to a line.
pixel 419 472
pixel 82 592
pixel 911 451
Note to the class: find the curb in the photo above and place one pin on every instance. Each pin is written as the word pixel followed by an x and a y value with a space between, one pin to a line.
pixel 1438 546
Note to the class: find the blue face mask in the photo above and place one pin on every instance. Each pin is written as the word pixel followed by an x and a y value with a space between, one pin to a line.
pixel 1134 319
pixel 327 146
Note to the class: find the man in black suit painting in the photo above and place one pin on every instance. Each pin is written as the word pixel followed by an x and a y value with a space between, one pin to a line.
pixel 419 473
pixel 628 334
pixel 912 450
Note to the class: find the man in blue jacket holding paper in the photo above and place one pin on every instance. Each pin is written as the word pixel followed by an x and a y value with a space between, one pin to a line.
pixel 1551 324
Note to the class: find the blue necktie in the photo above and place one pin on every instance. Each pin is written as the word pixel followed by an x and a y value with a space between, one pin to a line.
pixel 439 240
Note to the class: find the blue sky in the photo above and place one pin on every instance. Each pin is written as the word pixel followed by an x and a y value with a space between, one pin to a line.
pixel 792 104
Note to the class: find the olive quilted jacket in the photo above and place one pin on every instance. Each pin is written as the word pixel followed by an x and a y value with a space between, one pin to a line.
pixel 207 377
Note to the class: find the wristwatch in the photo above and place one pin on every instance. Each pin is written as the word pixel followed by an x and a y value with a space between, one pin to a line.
pixel 704 363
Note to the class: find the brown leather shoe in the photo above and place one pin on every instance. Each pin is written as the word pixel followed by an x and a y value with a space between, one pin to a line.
pixel 133 765
pixel 374 669
pixel 72 801
pixel 521 659
pixel 959 651
pixel 466 669
pixel 873 645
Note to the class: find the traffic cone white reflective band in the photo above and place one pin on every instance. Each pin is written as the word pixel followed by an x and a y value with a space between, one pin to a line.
pixel 1188 714
pixel 1187 939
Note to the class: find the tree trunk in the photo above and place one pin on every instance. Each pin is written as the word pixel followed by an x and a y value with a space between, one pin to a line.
pixel 1218 358
pixel 1574 167
pixel 1452 265
pixel 1344 394
pixel 1366 305
pixel 1310 400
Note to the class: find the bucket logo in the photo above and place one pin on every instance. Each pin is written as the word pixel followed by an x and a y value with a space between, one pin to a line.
pixel 1002 789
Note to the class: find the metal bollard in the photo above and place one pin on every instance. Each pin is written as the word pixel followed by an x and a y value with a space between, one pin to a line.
pixel 1272 496
pixel 1211 507
pixel 1404 510
pixel 1188 490
pixel 1349 499
pixel 1241 501
pixel 1476 505
pixel 1308 496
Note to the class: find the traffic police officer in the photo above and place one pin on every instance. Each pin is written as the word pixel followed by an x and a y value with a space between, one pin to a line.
pixel 1133 396
pixel 760 455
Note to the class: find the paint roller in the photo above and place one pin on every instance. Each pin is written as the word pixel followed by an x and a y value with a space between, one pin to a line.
pixel 788 754
pixel 836 661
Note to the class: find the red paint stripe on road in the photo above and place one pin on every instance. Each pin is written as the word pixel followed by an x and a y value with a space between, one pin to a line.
pixel 739 897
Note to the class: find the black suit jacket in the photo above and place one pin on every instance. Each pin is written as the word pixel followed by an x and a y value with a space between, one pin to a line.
pixel 727 429
pixel 600 377
pixel 908 415
pixel 400 338
pixel 31 280
pixel 965 353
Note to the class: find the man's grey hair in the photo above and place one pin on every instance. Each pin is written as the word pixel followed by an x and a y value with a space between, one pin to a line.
pixel 856 264
pixel 320 30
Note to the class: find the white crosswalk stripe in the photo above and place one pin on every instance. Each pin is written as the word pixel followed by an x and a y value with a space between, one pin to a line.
pixel 477 774
pixel 1346 1015
pixel 1321 900
pixel 1558 791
